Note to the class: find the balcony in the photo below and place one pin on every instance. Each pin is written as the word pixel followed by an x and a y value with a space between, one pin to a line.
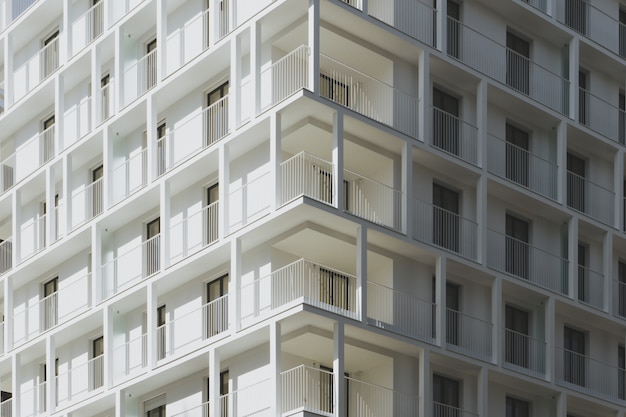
pixel 140 77
pixel 302 281
pixel 6 408
pixel 249 202
pixel 33 236
pixel 306 175
pixel 80 380
pixel 601 116
pixel 253 400
pixel 445 229
pixel 36 69
pixel 590 198
pixel 444 410
pixel 33 400
pixel 187 332
pixel 285 76
pixel 399 312
pixel 194 232
pixel 595 24
pixel 182 43
pixel 541 5
pixel 524 354
pixel 87 203
pixel 192 136
pixel 106 97
pixel 526 262
pixel 506 66
pixel 20 6
pixel 120 9
pixel 87 27
pixel 590 287
pixel 522 167
pixel 200 411
pixel 6 255
pixel 619 298
pixel 468 335
pixel 130 358
pixel 77 122
pixel 414 18
pixel 455 136
pixel 590 376
pixel 124 270
pixel 130 176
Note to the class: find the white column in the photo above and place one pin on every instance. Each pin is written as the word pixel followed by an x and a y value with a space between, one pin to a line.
pixel 408 205
pixel 16 381
pixel 561 161
pixel 275 367
pixel 59 120
pixel 161 34
pixel 482 219
pixel 313 26
pixel 440 299
pixel 107 162
pixel 50 231
pixel 338 189
pixel 497 312
pixel 8 313
pixel 339 370
pixel 442 24
pixel 572 250
pixel 9 88
pixel 96 76
pixel 65 45
pixel 164 244
pixel 234 94
pixel 67 195
pixel 98 286
pixel 482 388
pixel 224 186
pixel 482 123
pixel 618 187
pixel 424 93
pixel 561 404
pixel 151 133
pixel 550 329
pixel 275 159
pixel 51 386
pixel 16 223
pixel 214 21
pixel 214 382
pixel 120 403
pixel 573 75
pixel 361 272
pixel 108 347
pixel 255 66
pixel 118 86
pixel 425 382
pixel 234 286
pixel 607 255
pixel 152 325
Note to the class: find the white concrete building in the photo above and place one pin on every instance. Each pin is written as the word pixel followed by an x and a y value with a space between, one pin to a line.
pixel 362 208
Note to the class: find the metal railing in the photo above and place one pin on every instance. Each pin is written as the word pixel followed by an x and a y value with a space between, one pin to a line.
pixel 307 175
pixel 373 201
pixel 368 96
pixel 121 8
pixel 78 381
pixel 192 136
pixel 601 116
pixel 307 389
pixel 541 5
pixel 502 64
pixel 7 173
pixel 468 335
pixel 590 287
pixel 140 77
pixel 87 203
pixel 619 298
pixel 445 410
pixel 6 255
pixel 130 176
pixel 527 262
pixel 6 408
pixel 250 201
pixel 194 232
pixel 123 271
pixel 364 399
pixel 590 376
pixel 36 69
pixel 34 232
pixel 77 122
pixel 521 166
pixel 182 43
pixel 285 76
pixel 524 354
pixel 590 198
pixel 33 400
pixel 414 18
pixel 130 358
pixel 201 410
pixel 301 281
pixel 46 145
pixel 20 6
pixel 106 95
pixel 49 59
pixel 87 27
pixel 253 400
pixel 400 312
pixel 445 229
pixel 455 136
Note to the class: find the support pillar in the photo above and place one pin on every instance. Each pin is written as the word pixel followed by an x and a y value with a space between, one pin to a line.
pixel 275 158
pixel 337 153
pixel 313 27
pixel 361 272
pixel 339 370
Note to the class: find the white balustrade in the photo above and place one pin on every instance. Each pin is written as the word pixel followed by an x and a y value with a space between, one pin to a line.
pixel 182 43
pixel 6 408
pixel 194 232
pixel 372 200
pixel 33 236
pixel 307 175
pixel 364 399
pixel 106 95
pixel 307 389
pixel 254 400
pixel 1 350
pixel 414 18
pixel 400 312
pixel 527 262
pixel 468 335
pixel 20 6
pixel 77 122
pixel 140 77
pixel 36 69
pixel 601 116
pixel 46 145
pixel 130 176
pixel 590 287
pixel 285 76
pixel 6 255
pixel 87 203
pixel 445 410
pixel 79 380
pixel 521 166
pixel 455 136
pixel 7 173
pixel 87 27
pixel 524 354
pixel 130 358
pixel 33 400
pixel 250 201
pixel 121 8
pixel 592 199
pixel 200 411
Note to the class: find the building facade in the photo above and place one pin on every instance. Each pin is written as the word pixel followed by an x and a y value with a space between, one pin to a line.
pixel 362 208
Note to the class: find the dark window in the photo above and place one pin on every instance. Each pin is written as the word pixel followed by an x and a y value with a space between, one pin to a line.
pixel 97 190
pixel 446 397
pixel 334 288
pixel 517 155
pixel 621 372
pixel 106 94
pixel 151 64
pixel 50 302
pixel 446 121
pixel 96 19
pixel 156 412
pixel 452 316
pixel 622 32
pixel 47 148
pixel 446 228
pixel 152 247
pixel 574 356
pixel 161 332
pixel 335 90
pixel 517 62
pixel 583 281
pixel 575 182
pixel 453 32
pixel 96 368
pixel 621 290
pixel 576 15
pixel 50 59
pixel 161 133
pixel 216 118
pixel 517 408
pixel 516 343
pixel 211 215
pixel 622 118
pixel 517 249
pixel 216 313
pixel 583 97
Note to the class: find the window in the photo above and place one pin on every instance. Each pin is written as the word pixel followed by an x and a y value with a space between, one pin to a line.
pixel 96 190
pixel 50 303
pixel 583 97
pixel 162 159
pixel 516 342
pixel 516 246
pixel 96 369
pixel 47 140
pixel 43 218
pixel 452 316
pixel 151 64
pixel 216 118
pixel 517 63
pixel 334 90
pixel 106 94
pixel 621 372
pixel 152 247
pixel 155 407
pixel 211 215
pixel 50 58
pixel 574 356
pixel 516 155
pixel 576 15
pixel 583 281
pixel 161 332
pixel 621 289
pixel 446 228
pixel 446 397
pixel 576 182
pixel 453 29
pixel 517 408
pixel 446 121
pixel 217 311
pixel 334 288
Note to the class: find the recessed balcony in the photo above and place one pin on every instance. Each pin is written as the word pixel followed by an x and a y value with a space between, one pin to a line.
pixel 130 175
pixel 87 203
pixel 36 69
pixel 249 201
pixel 140 77
pixel 130 358
pixel 601 116
pixel 455 136
pixel 590 287
pixel 524 354
pixel 80 380
pixel 183 44
pixel 619 298
pixel 587 197
pixel 468 335
pixel 87 27
pixel 33 399
pixel 6 255
pixel 194 232
pixel 248 401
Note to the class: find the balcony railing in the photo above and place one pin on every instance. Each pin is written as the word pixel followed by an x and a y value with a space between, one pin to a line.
pixel 590 376
pixel 285 76
pixel 36 69
pixel 522 167
pixel 307 175
pixel 502 64
pixel 445 229
pixel 186 333
pixel 445 410
pixel 130 358
pixel 524 354
pixel 253 400
pixel 106 95
pixel 300 281
pixel 468 335
pixel 249 202
pixel 541 5
pixel 6 408
pixel 369 400
pixel 590 198
pixel 593 23
pixel 20 6
pixel 87 203
pixel 590 287
pixel 130 176
pixel 1 348
pixel 87 27
pixel 601 116
pixel 124 270
pixel 194 232
pixel 77 122
pixel 200 411
pixel 619 298
pixel 182 43
pixel 455 136
pixel 121 8
pixel 307 389
pixel 78 381
pixel 33 400
pixel 140 77
pixel 414 18
pixel 192 136
pixel 6 255
pixel 400 312
pixel 7 173
pixel 527 262
pixel 373 201
pixel 33 235
pixel 368 96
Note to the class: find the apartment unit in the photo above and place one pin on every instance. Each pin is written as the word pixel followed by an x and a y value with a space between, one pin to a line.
pixel 361 208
